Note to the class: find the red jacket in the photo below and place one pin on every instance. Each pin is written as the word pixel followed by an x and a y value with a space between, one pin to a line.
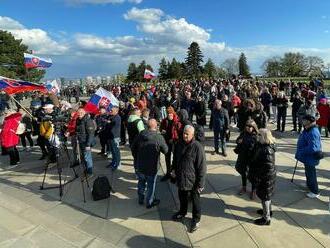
pixel 173 134
pixel 324 111
pixel 8 135
pixel 73 123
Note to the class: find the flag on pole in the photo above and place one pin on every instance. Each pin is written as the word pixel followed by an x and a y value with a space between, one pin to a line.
pixel 101 98
pixel 12 86
pixel 32 61
pixel 149 74
pixel 53 87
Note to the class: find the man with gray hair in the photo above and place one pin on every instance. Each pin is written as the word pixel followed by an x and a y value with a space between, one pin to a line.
pixel 189 170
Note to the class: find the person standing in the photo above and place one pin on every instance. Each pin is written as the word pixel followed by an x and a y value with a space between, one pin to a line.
pixel 324 110
pixel 101 123
pixel 263 172
pixel 27 121
pixel 9 138
pixel 170 128
pixel 85 129
pixel 189 170
pixel 246 142
pixel 266 100
pixel 200 111
pixel 220 125
pixel 114 137
pixel 147 147
pixel 282 105
pixel 309 152
pixel 297 102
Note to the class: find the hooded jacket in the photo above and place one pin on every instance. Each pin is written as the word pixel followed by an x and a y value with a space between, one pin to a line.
pixel 9 138
pixel 146 148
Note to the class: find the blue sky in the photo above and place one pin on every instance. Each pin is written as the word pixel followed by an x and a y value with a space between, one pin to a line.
pixel 101 37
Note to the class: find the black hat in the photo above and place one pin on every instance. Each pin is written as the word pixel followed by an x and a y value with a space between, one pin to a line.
pixel 309 118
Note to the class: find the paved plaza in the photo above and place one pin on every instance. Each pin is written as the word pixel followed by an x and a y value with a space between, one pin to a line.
pixel 31 217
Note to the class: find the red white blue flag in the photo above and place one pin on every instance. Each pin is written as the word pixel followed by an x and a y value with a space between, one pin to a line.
pixel 101 98
pixel 32 61
pixel 12 86
pixel 53 87
pixel 149 74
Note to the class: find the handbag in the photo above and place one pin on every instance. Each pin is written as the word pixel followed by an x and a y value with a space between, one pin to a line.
pixel 21 128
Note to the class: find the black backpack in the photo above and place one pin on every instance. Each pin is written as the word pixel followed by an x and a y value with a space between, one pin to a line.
pixel 101 188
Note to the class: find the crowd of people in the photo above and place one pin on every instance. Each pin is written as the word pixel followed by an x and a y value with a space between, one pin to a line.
pixel 171 118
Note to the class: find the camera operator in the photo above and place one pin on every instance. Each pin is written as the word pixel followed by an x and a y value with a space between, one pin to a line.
pixel 47 131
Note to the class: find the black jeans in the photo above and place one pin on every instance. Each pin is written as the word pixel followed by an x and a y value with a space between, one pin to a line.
pixel 42 143
pixel 294 119
pixel 281 116
pixel 168 158
pixel 13 155
pixel 267 111
pixel 196 203
pixel 29 138
pixel 104 142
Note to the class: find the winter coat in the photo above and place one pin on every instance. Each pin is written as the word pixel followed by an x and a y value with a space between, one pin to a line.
pixel 9 138
pixel 245 151
pixel 146 149
pixel 296 104
pixel 200 111
pixel 219 119
pixel 113 128
pixel 85 129
pixel 266 99
pixel 134 127
pixel 27 121
pixel 262 170
pixel 324 110
pixel 72 124
pixel 189 165
pixel 309 143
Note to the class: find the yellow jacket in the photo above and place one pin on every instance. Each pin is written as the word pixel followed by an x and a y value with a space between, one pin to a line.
pixel 46 129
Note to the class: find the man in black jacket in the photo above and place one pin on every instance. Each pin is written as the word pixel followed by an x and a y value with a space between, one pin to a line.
pixel 85 133
pixel 146 148
pixel 189 169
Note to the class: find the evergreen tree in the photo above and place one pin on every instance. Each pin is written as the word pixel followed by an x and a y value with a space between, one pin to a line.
pixel 243 66
pixel 175 70
pixel 12 59
pixel 210 69
pixel 163 69
pixel 140 70
pixel 131 72
pixel 194 60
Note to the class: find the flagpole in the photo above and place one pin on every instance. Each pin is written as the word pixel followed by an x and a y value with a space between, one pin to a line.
pixel 17 102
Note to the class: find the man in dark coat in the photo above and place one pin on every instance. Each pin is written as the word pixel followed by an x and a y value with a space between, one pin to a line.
pixel 189 170
pixel 85 129
pixel 147 148
pixel 113 133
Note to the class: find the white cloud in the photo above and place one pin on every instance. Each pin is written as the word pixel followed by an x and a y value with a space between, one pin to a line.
pixel 37 39
pixel 74 2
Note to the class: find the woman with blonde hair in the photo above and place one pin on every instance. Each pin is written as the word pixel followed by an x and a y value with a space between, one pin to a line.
pixel 263 173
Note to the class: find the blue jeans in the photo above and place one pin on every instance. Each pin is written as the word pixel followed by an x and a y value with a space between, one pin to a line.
pixel 87 154
pixel 114 148
pixel 310 172
pixel 219 135
pixel 151 186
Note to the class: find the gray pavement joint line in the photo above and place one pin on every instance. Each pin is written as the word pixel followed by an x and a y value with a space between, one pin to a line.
pixel 213 235
pixel 301 227
pixel 160 213
pixel 237 219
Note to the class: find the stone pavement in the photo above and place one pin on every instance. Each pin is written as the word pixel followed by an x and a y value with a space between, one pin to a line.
pixel 31 217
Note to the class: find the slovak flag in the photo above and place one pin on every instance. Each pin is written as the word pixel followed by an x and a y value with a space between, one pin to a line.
pixel 12 86
pixel 53 87
pixel 149 74
pixel 32 61
pixel 101 98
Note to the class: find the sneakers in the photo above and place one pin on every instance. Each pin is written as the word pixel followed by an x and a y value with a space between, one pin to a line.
pixel 194 226
pixel 154 203
pixel 312 195
pixel 224 154
pixel 261 212
pixel 262 222
pixel 178 216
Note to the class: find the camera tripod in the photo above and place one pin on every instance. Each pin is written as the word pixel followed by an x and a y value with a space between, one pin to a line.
pixel 60 151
